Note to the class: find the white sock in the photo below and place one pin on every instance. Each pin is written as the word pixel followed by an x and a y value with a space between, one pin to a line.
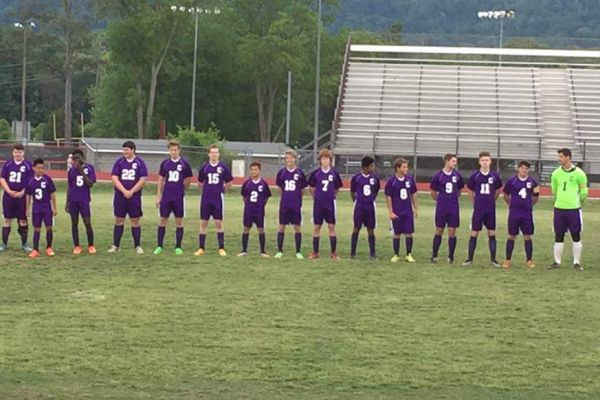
pixel 577 248
pixel 558 250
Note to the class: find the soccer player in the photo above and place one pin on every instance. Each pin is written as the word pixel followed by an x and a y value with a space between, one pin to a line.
pixel 445 190
pixel 42 193
pixel 569 187
pixel 324 184
pixel 80 179
pixel 129 174
pixel 484 189
pixel 401 200
pixel 255 193
pixel 214 179
pixel 15 174
pixel 364 188
pixel 291 182
pixel 521 193
pixel 174 177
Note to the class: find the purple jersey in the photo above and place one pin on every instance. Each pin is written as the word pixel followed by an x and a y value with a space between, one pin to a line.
pixel 174 172
pixel 521 192
pixel 255 194
pixel 400 191
pixel 78 191
pixel 214 177
pixel 484 189
pixel 325 183
pixel 291 183
pixel 365 187
pixel 17 174
pixel 448 187
pixel 40 189
pixel 130 172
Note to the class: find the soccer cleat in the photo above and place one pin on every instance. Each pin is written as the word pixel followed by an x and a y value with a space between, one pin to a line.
pixel 335 257
pixel 34 254
pixel 279 255
pixel 92 249
pixel 450 261
pixel 314 256
pixel 299 256
pixel 395 259
pixel 373 257
pixel 467 263
pixel 26 247
pixel 199 253
pixel 113 249
pixel 3 247
pixel 139 250
pixel 495 264
pixel 409 258
pixel 178 251
pixel 433 260
pixel 242 254
pixel 264 255
pixel 506 264
pixel 158 250
pixel 49 252
pixel 578 267
pixel 222 253
pixel 77 250
pixel 530 264
pixel 554 265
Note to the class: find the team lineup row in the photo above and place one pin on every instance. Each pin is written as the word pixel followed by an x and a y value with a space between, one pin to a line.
pixel 29 191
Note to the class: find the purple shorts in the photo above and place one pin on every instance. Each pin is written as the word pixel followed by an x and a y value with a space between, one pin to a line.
pixel 290 216
pixel 404 224
pixel 13 208
pixel 176 207
pixel 123 208
pixel 520 221
pixel 42 216
pixel 568 220
pixel 447 216
pixel 364 214
pixel 211 207
pixel 82 208
pixel 323 211
pixel 483 218
pixel 254 219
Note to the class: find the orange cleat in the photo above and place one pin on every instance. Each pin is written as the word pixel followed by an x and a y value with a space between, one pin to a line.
pixel 77 250
pixel 34 254
pixel 335 257
pixel 92 249
pixel 313 256
pixel 49 252
pixel 530 264
pixel 507 264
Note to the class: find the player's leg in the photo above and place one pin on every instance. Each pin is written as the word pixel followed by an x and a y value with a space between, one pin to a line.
pixel 408 229
pixel 440 223
pixel 476 227
pixel 527 228
pixel 371 238
pixel 36 220
pixel 6 226
pixel 370 221
pixel 245 236
pixel 358 222
pixel 120 212
pixel 136 233
pixel 220 236
pixel 179 230
pixel 332 240
pixel 262 239
pixel 318 219
pixel 298 238
pixel 48 223
pixel 205 214
pixel 490 225
pixel 453 222
pixel 575 228
pixel 74 214
pixel 560 229
pixel 280 239
pixel 160 234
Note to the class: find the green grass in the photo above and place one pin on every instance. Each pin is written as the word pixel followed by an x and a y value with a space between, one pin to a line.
pixel 153 327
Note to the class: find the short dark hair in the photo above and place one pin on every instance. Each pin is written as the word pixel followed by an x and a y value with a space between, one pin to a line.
pixel 129 145
pixel 366 161
pixel 18 146
pixel 37 161
pixel 485 154
pixel 78 152
pixel 565 152
pixel 212 146
pixel 449 156
pixel 256 164
pixel 174 143
pixel 524 163
pixel 398 162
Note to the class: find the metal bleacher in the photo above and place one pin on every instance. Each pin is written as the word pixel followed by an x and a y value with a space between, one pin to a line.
pixel 391 105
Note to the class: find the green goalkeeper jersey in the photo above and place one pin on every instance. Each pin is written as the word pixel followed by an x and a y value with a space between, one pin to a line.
pixel 569 188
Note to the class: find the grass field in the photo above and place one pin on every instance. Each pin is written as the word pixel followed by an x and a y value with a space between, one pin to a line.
pixel 153 327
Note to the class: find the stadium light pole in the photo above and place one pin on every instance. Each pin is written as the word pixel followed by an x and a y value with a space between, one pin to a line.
pixel 317 87
pixel 25 26
pixel 196 11
pixel 500 15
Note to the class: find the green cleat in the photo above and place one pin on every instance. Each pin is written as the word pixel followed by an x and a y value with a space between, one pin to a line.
pixel 178 251
pixel 299 256
pixel 279 255
pixel 158 250
pixel 409 258
pixel 395 259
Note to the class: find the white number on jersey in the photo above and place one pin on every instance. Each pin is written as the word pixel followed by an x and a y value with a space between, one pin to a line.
pixel 128 175
pixel 38 194
pixel 253 196
pixel 367 190
pixel 173 176
pixel 523 193
pixel 290 185
pixel 14 177
pixel 213 179
pixel 325 185
pixel 403 194
pixel 449 187
pixel 79 181
pixel 485 188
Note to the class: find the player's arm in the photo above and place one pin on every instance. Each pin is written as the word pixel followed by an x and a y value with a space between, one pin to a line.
pixel 434 194
pixel 506 198
pixel 471 195
pixel 86 179
pixel 118 185
pixel 388 202
pixel 433 188
pixel 53 202
pixel 160 185
pixel 139 185
pixel 353 188
pixel 6 187
pixel 583 186
pixel 554 184
pixel 27 204
pixel 536 195
pixel 187 182
pixel 415 206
